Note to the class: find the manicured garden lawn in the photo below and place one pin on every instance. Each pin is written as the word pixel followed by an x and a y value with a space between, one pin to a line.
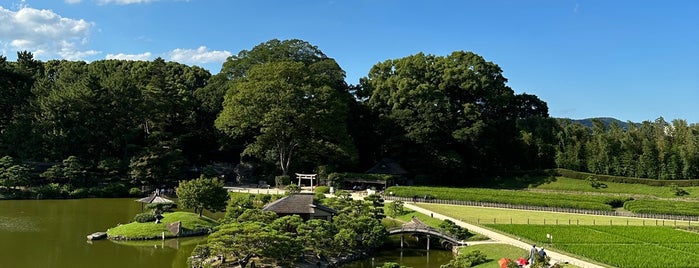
pixel 484 215
pixel 495 252
pixel 619 246
pixel 151 230
pixel 514 197
pixel 568 184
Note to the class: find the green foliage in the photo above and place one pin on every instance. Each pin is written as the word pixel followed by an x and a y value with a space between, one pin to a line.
pixel 671 207
pixel 293 189
pixel 52 191
pixel 578 201
pixel 469 259
pixel 244 240
pixel 678 191
pixel 285 106
pixel 617 246
pixel 391 265
pixel 192 224
pixel 144 217
pixel 282 180
pixel 617 201
pixel 396 208
pixel 257 215
pixel 135 191
pixel 202 193
pixel 594 183
pixel 160 208
pixel 322 190
pixel 337 177
pixel 451 228
pixel 377 204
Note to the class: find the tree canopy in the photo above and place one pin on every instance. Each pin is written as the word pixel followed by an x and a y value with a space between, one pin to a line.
pixel 289 109
pixel 202 193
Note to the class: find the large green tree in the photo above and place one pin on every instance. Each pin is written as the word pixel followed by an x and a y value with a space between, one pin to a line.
pixel 456 111
pixel 288 107
pixel 202 193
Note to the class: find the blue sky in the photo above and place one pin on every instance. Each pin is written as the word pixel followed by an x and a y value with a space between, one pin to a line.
pixel 632 60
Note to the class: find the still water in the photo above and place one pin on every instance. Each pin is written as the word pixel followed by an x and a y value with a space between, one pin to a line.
pixel 410 257
pixel 52 233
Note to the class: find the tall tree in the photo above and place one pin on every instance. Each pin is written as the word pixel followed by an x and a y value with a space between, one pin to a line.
pixel 202 193
pixel 289 108
pixel 456 110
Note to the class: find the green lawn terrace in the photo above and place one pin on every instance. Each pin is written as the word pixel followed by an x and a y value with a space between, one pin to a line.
pixel 617 246
pixel 190 224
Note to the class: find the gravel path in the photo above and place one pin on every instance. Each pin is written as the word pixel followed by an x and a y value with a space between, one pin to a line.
pixel 555 256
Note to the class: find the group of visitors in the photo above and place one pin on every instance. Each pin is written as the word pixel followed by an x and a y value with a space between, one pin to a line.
pixel 534 252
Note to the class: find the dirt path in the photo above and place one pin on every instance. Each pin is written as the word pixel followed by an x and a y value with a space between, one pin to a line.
pixel 555 256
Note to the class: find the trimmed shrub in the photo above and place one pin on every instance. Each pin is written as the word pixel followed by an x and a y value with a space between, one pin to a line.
pixel 282 180
pixel 135 192
pixel 52 191
pixel 79 193
pixel 608 178
pixel 144 217
pixel 322 190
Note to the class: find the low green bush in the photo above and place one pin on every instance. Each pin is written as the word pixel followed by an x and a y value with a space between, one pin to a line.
pixel 670 207
pixel 514 197
pixel 79 193
pixel 618 179
pixel 52 191
pixel 144 217
pixel 135 192
pixel 322 189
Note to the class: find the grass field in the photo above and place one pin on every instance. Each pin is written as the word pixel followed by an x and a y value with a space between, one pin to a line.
pixel 495 252
pixel 619 246
pixel 151 230
pixel 567 184
pixel 482 215
pixel 514 197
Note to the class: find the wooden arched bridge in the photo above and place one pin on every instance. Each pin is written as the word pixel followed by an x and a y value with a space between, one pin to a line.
pixel 415 226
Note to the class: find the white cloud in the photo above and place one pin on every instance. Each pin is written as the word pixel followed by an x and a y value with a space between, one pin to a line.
pixel 73 1
pixel 122 56
pixel 200 55
pixel 44 32
pixel 124 2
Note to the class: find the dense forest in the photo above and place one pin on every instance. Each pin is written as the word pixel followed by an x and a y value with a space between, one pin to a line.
pixel 284 107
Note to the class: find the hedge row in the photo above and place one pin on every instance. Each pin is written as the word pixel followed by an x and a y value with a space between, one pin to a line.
pixel 363 176
pixel 608 178
pixel 575 201
pixel 669 207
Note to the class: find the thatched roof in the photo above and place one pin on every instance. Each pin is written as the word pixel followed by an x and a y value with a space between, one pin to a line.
pixel 155 198
pixel 387 166
pixel 301 203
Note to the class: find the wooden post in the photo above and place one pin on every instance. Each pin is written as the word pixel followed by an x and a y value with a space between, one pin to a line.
pixel 428 242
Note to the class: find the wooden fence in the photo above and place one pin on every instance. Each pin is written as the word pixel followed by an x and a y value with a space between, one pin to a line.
pixel 548 209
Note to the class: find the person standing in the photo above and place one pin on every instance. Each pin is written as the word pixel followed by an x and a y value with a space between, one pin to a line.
pixel 532 254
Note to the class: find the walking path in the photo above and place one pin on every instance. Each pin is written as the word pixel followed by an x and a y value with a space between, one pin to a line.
pixel 555 256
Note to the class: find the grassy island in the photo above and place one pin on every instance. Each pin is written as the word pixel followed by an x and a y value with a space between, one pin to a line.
pixel 192 224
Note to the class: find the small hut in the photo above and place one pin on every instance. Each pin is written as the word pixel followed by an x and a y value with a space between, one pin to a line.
pixel 301 204
pixel 154 198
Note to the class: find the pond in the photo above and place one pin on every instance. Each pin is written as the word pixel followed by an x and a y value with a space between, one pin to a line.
pixel 52 233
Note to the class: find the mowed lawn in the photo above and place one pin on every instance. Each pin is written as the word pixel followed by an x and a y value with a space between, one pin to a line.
pixel 568 184
pixel 484 215
pixel 591 237
pixel 618 246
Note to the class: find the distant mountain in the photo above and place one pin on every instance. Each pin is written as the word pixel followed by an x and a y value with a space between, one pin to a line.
pixel 606 120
